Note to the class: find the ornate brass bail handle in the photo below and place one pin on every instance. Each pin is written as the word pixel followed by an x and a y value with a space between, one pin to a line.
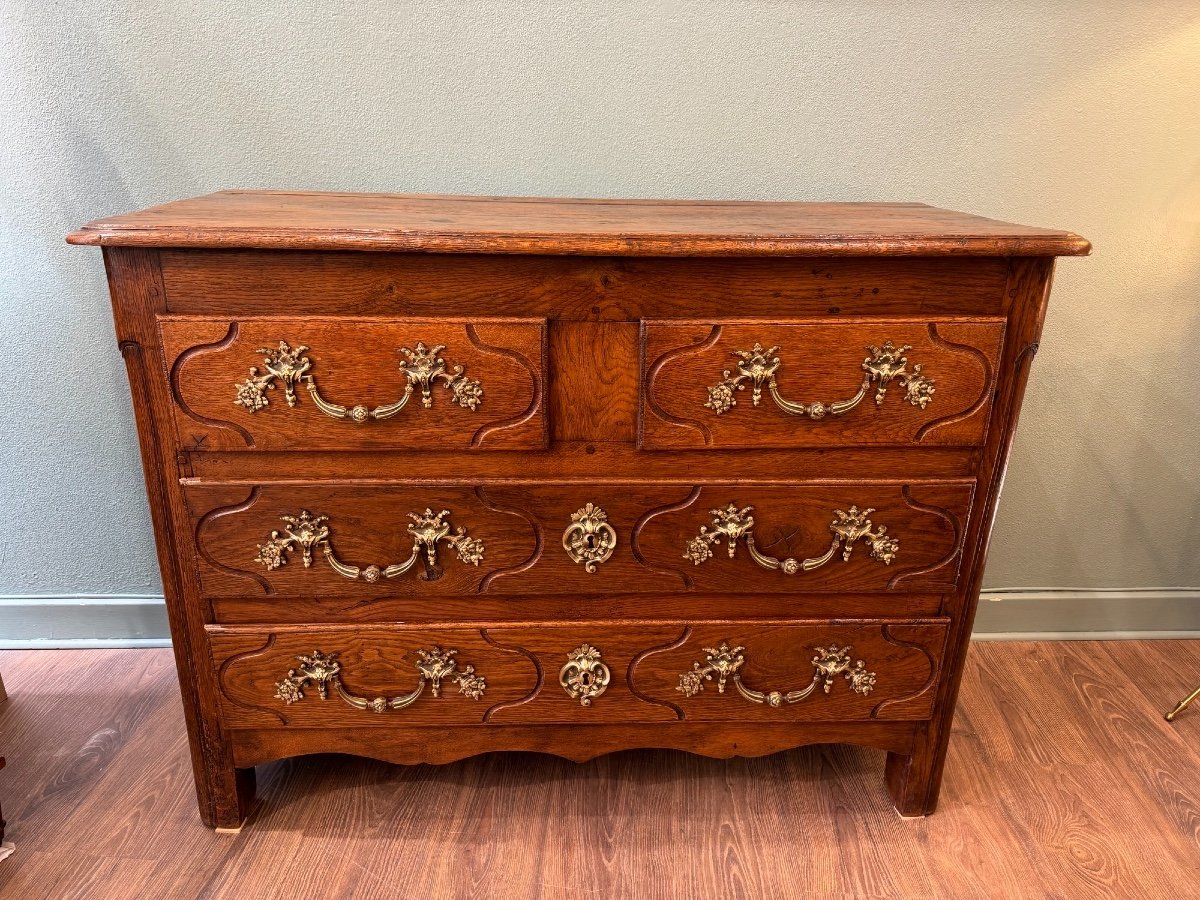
pixel 427 529
pixel 725 661
pixel 757 366
pixel 589 539
pixel 422 367
pixel 735 524
pixel 322 670
pixel 585 676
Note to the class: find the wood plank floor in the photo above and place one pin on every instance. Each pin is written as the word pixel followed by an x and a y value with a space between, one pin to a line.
pixel 1063 781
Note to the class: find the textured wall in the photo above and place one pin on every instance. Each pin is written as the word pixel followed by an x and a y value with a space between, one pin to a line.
pixel 1073 114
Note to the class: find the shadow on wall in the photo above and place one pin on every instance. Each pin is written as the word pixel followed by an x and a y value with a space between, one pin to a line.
pixel 1104 486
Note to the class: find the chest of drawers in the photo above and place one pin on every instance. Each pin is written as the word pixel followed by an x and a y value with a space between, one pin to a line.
pixel 435 476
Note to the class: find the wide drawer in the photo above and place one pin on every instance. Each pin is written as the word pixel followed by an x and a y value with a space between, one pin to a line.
pixel 577 673
pixel 716 384
pixel 436 540
pixel 321 383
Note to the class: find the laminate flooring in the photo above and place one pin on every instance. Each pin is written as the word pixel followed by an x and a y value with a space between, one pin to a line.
pixel 1063 780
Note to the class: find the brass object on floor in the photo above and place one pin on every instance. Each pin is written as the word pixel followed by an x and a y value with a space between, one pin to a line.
pixel 1182 705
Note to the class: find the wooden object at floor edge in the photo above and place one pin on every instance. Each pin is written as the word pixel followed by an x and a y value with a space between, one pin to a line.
pixel 722 474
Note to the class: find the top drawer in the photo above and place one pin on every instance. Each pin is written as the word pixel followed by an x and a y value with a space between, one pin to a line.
pixel 276 383
pixel 817 382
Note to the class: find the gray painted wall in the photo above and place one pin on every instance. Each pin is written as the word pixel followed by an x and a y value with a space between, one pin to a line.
pixel 1073 114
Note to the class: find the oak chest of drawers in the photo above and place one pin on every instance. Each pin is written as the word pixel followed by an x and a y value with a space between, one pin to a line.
pixel 433 476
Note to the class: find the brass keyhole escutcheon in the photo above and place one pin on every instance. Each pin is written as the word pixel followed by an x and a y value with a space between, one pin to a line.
pixel 585 676
pixel 589 539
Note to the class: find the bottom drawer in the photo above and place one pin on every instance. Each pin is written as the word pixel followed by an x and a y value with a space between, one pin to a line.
pixel 578 673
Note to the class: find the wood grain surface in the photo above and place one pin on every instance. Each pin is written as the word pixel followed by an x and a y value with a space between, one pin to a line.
pixel 819 361
pixel 521 527
pixel 1064 782
pixel 578 288
pixel 456 224
pixel 521 664
pixel 357 361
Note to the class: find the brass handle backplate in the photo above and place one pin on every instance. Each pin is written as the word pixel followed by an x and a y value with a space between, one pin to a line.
pixel 585 676
pixel 725 661
pixel 757 366
pixel 427 529
pixel 422 368
pixel 589 539
pixel 848 527
pixel 323 670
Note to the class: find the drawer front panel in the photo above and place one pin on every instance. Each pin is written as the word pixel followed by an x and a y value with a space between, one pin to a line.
pixel 577 288
pixel 288 677
pixel 580 673
pixel 356 384
pixel 434 540
pixel 814 671
pixel 720 385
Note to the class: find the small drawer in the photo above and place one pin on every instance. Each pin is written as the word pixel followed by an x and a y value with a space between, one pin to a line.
pixel 323 383
pixel 585 672
pixel 818 382
pixel 428 541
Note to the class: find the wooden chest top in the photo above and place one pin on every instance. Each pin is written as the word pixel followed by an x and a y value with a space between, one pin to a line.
pixel 535 225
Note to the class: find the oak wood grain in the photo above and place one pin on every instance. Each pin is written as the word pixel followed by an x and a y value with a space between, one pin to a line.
pixel 595 382
pixel 819 361
pixel 521 527
pixel 521 665
pixel 580 462
pixel 249 609
pixel 1064 781
pixel 223 792
pixel 357 362
pixel 454 224
pixel 914 779
pixel 375 662
pixel 578 288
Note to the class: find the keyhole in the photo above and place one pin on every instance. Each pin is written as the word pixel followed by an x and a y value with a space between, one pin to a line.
pixel 590 540
pixel 585 678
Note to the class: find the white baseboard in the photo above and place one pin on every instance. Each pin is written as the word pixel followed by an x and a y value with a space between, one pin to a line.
pixel 83 622
pixel 1025 614
pixel 1087 614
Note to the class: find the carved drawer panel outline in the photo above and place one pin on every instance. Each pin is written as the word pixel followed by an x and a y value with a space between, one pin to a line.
pixel 321 383
pixel 817 382
pixel 788 671
pixel 323 676
pixel 336 675
pixel 427 541
pixel 360 541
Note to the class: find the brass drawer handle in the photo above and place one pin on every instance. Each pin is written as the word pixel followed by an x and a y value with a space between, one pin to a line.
pixel 422 367
pixel 307 531
pixel 589 539
pixel 734 524
pixel 323 670
pixel 759 365
pixel 725 661
pixel 585 676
